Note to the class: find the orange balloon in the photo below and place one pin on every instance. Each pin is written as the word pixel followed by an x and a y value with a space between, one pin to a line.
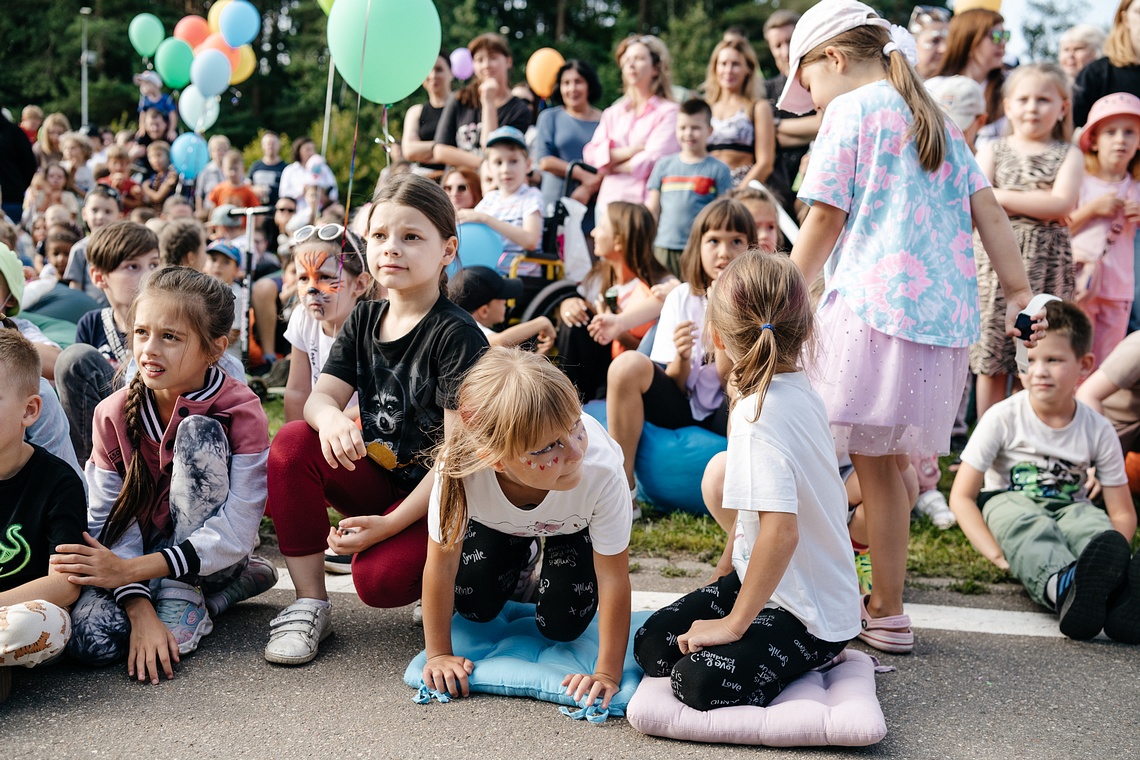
pixel 1132 467
pixel 193 30
pixel 216 42
pixel 541 70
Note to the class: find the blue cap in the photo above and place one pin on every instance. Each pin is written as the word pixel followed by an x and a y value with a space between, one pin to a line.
pixel 507 134
pixel 224 248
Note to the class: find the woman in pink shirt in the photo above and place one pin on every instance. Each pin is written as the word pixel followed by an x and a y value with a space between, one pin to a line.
pixel 639 128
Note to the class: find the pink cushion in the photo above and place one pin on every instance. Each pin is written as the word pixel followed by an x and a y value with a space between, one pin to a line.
pixel 837 706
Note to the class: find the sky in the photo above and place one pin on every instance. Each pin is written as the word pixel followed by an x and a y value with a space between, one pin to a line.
pixel 1099 13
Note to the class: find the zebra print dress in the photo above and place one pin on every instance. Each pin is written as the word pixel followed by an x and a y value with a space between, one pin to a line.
pixel 1046 251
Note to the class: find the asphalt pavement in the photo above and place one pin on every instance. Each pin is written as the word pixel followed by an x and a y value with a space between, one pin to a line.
pixel 962 694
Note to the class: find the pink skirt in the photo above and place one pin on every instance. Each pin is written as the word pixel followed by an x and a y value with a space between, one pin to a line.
pixel 884 395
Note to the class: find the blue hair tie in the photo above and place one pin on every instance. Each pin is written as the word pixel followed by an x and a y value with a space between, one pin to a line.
pixel 766 326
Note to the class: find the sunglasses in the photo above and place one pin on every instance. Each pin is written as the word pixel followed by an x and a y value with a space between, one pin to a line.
pixel 455 188
pixel 927 14
pixel 999 36
pixel 350 242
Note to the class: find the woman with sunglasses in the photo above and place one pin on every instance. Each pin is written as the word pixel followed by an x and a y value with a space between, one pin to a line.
pixel 975 47
pixel 930 26
pixel 462 187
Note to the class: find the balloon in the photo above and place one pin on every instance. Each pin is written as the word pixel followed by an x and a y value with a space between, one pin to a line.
pixel 198 111
pixel 326 5
pixel 214 17
pixel 247 64
pixel 240 23
pixel 210 72
pixel 542 69
pixel 462 66
pixel 193 30
pixel 189 155
pixel 145 32
pixel 172 61
pixel 217 42
pixel 479 245
pixel 402 45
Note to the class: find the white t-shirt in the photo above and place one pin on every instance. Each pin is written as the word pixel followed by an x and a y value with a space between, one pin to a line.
pixel 601 501
pixel 703 383
pixel 305 334
pixel 512 209
pixel 785 462
pixel 1019 452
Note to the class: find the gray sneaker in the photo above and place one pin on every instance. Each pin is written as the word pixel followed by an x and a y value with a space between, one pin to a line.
pixel 297 632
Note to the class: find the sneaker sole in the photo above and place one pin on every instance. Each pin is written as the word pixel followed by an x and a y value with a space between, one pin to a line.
pixel 1123 621
pixel 282 659
pixel 337 568
pixel 204 629
pixel 1100 570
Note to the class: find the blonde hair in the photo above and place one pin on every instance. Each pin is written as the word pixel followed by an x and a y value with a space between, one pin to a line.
pixel 659 54
pixel 1118 47
pixel 753 80
pixel 508 402
pixel 866 43
pixel 1063 129
pixel 762 312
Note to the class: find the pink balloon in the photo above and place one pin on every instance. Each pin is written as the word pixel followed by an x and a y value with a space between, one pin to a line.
pixel 193 30
pixel 462 65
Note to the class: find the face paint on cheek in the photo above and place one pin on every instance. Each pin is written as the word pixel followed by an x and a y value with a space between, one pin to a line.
pixel 310 263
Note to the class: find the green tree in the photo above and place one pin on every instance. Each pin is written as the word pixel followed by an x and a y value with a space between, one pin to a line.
pixel 1044 24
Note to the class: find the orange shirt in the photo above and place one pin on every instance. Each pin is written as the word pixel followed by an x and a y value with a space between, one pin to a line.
pixel 241 196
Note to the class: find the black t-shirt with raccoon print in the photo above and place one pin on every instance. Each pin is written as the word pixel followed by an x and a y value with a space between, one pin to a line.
pixel 405 385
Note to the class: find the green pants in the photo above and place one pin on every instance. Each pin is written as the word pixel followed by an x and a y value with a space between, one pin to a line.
pixel 1040 537
pixel 669 258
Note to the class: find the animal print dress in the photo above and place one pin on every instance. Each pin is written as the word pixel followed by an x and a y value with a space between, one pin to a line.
pixel 1046 251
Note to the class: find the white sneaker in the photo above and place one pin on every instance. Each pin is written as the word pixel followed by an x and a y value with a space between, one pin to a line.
pixel 933 505
pixel 297 632
pixel 418 612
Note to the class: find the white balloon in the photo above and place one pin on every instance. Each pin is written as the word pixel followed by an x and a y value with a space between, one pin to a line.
pixel 198 111
pixel 210 72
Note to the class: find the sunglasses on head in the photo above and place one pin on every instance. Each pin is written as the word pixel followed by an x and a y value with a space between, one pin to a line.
pixel 330 233
pixel 927 14
pixel 999 36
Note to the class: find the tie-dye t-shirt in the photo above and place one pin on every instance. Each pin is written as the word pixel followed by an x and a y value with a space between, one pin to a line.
pixel 904 262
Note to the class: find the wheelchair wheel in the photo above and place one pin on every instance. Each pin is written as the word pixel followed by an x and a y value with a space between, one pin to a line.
pixel 546 302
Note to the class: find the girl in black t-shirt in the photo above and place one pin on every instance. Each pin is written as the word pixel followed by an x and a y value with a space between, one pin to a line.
pixel 405 358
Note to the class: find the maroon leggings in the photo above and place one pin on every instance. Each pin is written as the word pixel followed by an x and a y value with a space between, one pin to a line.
pixel 301 483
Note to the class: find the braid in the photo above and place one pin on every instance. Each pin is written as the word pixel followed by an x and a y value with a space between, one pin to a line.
pixel 138 485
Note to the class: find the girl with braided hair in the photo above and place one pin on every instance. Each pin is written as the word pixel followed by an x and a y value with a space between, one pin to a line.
pixel 177 480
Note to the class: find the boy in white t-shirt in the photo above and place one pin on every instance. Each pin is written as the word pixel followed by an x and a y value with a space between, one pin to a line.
pixel 1031 453
pixel 483 293
pixel 514 208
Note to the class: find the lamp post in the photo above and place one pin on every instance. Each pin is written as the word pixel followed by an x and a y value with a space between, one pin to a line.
pixel 84 60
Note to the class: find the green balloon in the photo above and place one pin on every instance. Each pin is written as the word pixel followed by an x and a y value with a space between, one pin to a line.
pixel 172 61
pixel 402 45
pixel 326 5
pixel 145 32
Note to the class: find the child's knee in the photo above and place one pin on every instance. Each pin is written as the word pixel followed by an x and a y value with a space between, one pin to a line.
pixel 628 368
pixel 704 681
pixel 654 650
pixel 33 633
pixel 293 442
pixel 100 632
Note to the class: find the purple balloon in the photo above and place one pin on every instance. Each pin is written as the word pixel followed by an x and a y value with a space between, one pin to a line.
pixel 462 65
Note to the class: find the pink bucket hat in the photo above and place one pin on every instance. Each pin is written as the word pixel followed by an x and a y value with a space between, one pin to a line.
pixel 1116 104
pixel 819 24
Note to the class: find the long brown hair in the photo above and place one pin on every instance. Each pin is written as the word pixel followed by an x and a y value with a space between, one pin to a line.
pixel 493 44
pixel 966 32
pixel 662 85
pixel 721 214
pixel 866 43
pixel 753 81
pixel 634 226
pixel 508 402
pixel 206 304
pixel 426 197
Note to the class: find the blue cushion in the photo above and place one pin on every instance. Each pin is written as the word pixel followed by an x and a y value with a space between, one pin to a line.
pixel 513 659
pixel 670 463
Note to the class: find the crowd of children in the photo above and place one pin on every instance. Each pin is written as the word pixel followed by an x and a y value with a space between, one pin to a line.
pixel 132 491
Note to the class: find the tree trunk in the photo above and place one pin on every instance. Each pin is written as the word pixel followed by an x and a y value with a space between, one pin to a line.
pixel 560 21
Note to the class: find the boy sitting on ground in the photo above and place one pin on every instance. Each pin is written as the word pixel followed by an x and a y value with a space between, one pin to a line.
pixel 1031 454
pixel 483 293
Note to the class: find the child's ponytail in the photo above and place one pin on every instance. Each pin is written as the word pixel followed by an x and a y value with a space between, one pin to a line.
pixel 929 128
pixel 138 483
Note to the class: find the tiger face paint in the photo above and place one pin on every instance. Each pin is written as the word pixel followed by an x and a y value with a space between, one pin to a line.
pixel 323 287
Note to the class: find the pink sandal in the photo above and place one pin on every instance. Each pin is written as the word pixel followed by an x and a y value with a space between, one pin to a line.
pixel 877 631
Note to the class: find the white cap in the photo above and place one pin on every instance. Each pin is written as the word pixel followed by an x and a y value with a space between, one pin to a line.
pixel 820 23
pixel 959 97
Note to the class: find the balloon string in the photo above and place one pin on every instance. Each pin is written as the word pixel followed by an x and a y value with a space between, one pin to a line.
pixel 355 136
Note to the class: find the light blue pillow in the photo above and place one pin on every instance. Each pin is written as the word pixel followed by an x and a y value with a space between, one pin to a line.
pixel 513 659
pixel 670 463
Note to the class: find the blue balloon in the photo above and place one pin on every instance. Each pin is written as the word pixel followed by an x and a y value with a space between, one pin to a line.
pixel 210 72
pixel 240 23
pixel 189 155
pixel 479 245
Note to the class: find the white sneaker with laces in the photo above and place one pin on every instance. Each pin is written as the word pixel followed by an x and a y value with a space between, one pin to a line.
pixel 933 505
pixel 297 632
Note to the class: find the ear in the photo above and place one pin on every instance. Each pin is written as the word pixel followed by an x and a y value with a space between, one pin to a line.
pixel 220 346
pixel 450 249
pixel 98 278
pixel 836 58
pixel 1087 362
pixel 32 408
pixel 714 335
pixel 362 283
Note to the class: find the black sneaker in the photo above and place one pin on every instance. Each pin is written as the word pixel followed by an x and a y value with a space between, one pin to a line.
pixel 1123 620
pixel 341 564
pixel 1084 587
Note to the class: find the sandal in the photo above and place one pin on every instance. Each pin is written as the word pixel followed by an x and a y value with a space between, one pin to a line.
pixel 877 631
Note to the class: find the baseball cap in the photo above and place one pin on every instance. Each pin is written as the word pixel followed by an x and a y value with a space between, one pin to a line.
pixel 13 272
pixel 148 76
pixel 959 97
pixel 1116 104
pixel 473 287
pixel 222 216
pixel 508 135
pixel 224 248
pixel 819 24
